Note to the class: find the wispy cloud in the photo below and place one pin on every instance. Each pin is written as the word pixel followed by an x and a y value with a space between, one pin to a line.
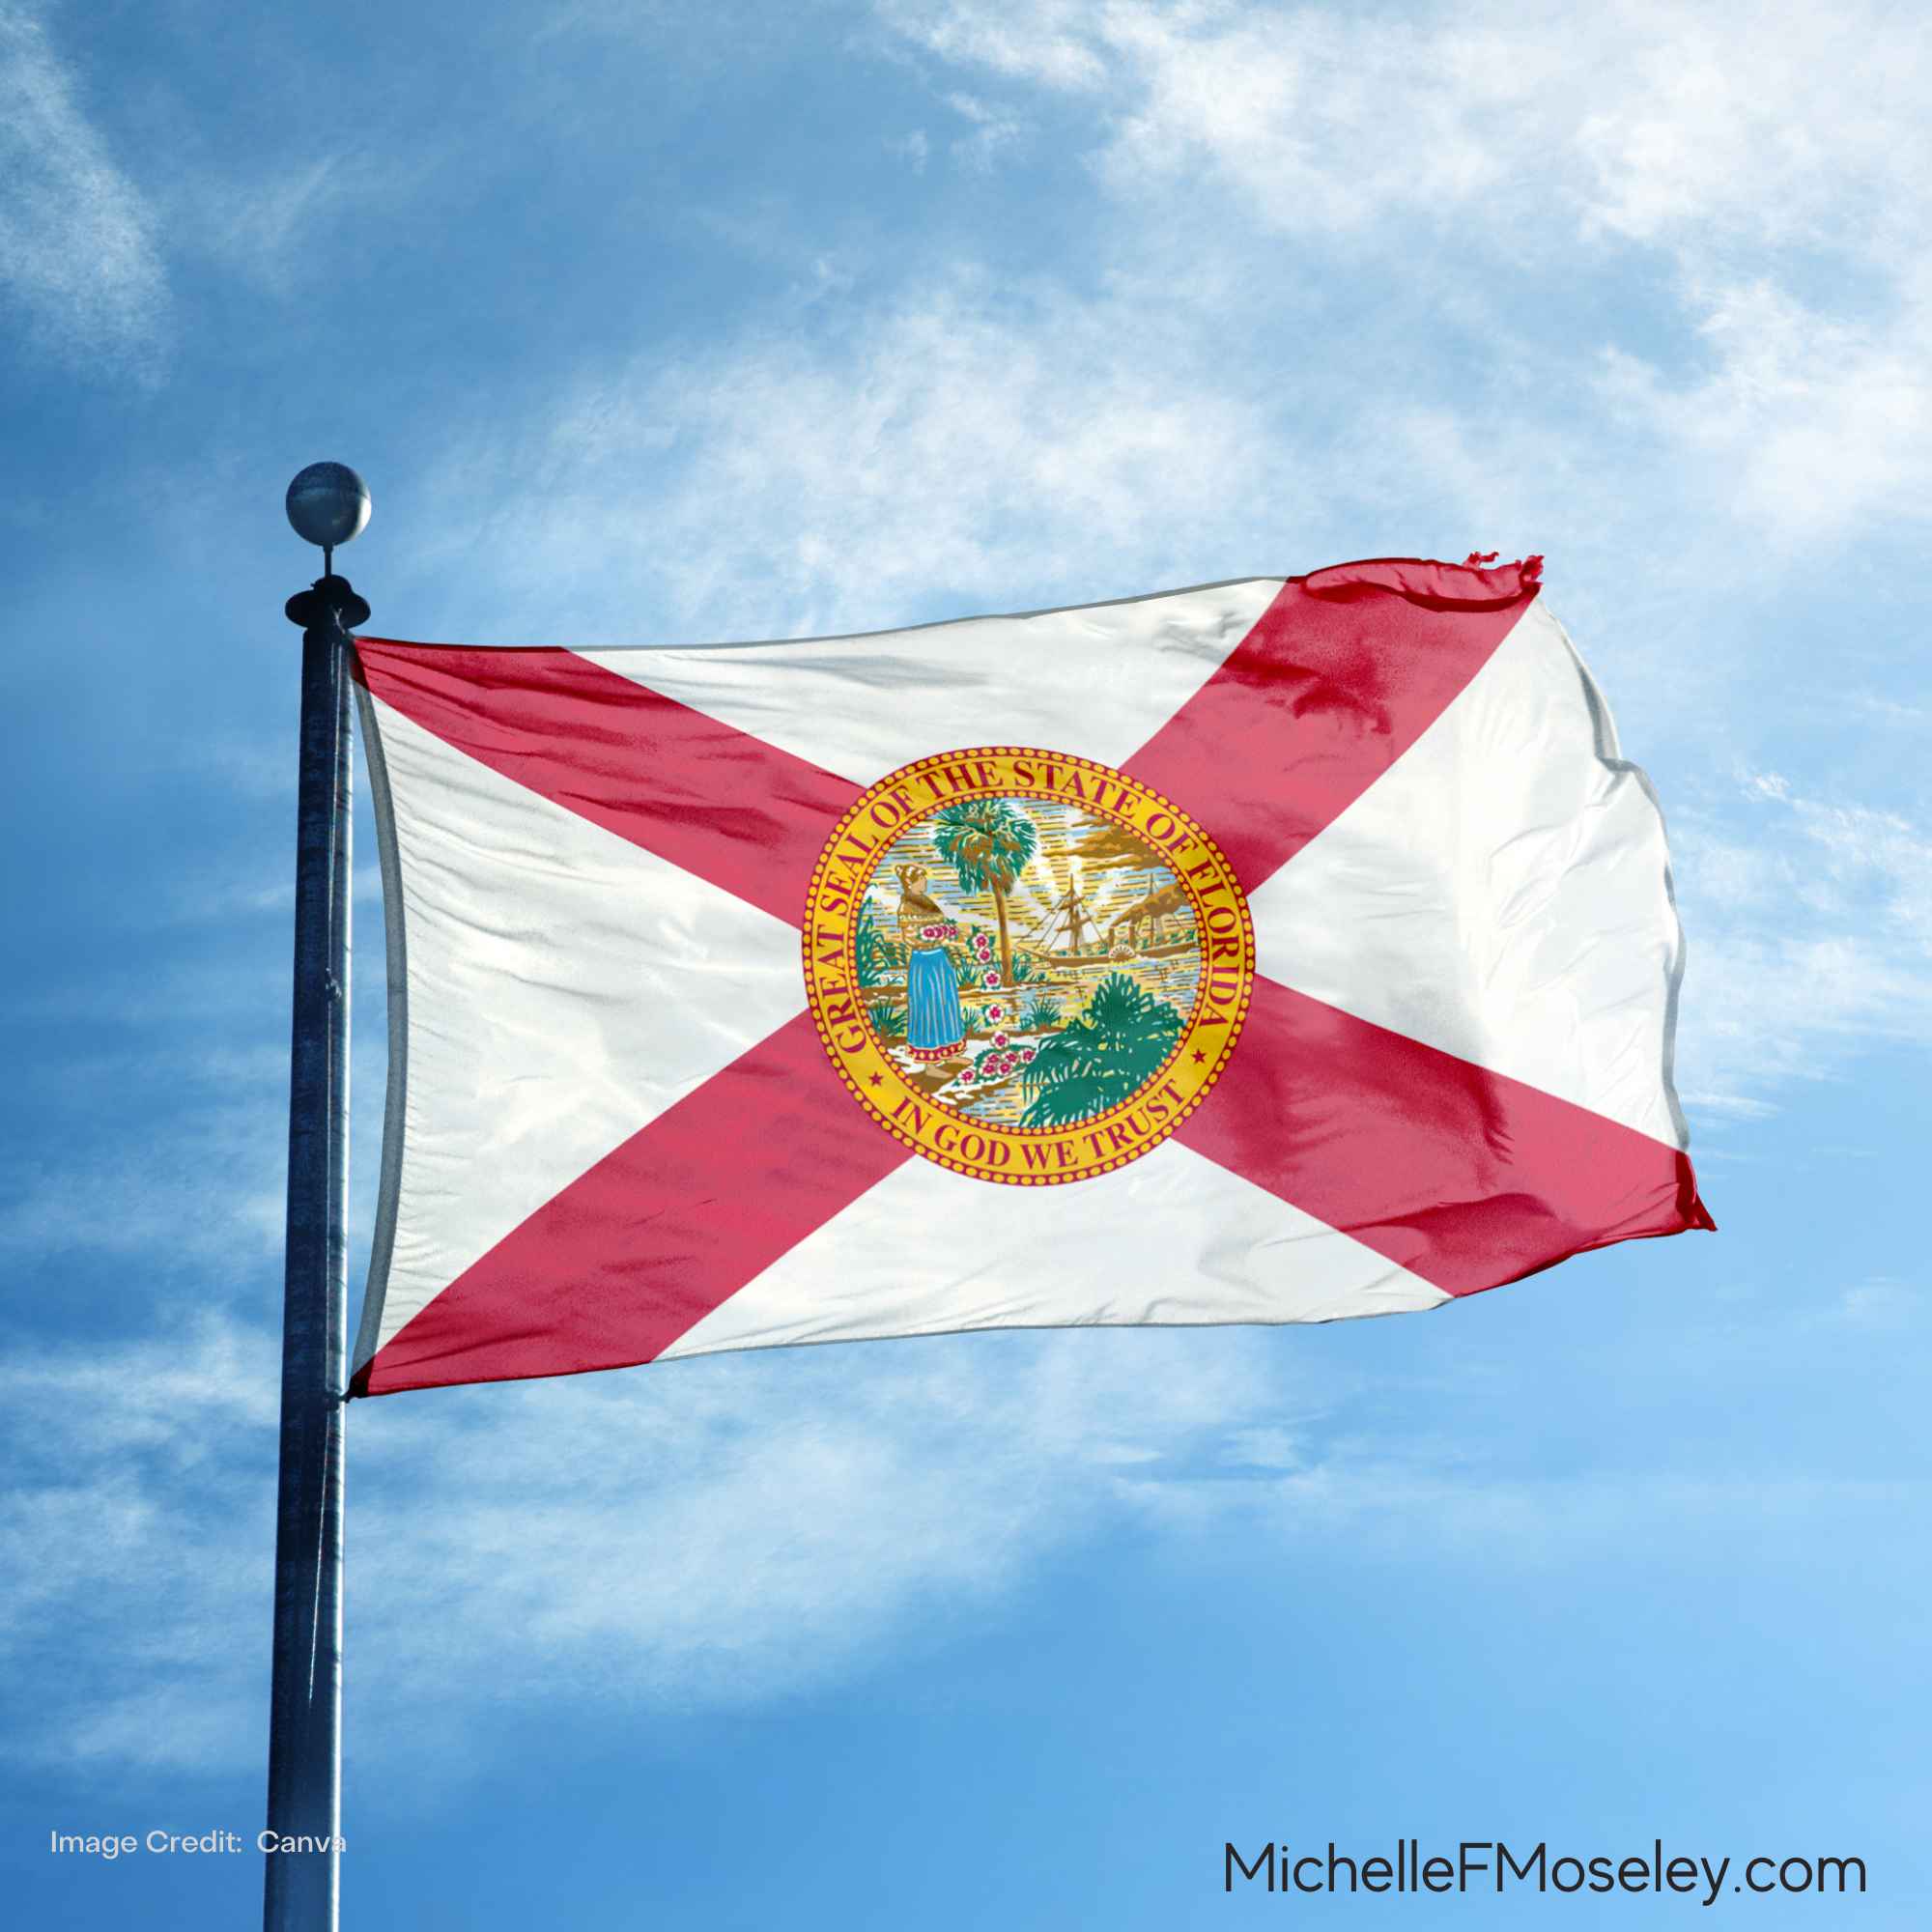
pixel 1635 119
pixel 1782 181
pixel 204 1192
pixel 914 149
pixel 1884 1302
pixel 1813 934
pixel 1048 41
pixel 78 252
pixel 995 129
pixel 269 224
pixel 966 441
pixel 762 1528
pixel 734 1530
pixel 163 1134
pixel 1801 425
pixel 122 1540
pixel 718 1532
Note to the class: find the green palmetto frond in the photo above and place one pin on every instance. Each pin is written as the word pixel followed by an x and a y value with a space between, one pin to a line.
pixel 1103 1058
pixel 1065 1104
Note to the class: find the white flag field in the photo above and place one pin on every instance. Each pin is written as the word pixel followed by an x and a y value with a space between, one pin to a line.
pixel 1275 950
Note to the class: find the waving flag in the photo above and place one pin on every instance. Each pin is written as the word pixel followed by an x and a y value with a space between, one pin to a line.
pixel 1276 951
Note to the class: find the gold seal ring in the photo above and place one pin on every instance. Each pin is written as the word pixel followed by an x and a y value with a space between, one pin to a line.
pixel 1026 966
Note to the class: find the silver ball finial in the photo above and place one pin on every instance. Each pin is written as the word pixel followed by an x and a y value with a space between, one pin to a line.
pixel 329 504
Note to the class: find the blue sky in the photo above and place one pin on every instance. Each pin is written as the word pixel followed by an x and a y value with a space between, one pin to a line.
pixel 650 323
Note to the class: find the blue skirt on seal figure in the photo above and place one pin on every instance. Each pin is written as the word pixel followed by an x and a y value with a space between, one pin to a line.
pixel 935 1020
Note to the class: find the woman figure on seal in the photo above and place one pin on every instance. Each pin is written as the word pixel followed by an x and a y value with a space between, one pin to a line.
pixel 935 1021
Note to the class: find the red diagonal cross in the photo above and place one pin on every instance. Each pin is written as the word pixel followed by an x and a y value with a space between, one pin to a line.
pixel 1464 1176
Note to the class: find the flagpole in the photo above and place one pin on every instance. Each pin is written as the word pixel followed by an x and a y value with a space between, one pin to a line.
pixel 327 505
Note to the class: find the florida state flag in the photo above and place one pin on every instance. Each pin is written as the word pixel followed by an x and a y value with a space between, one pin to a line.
pixel 1270 952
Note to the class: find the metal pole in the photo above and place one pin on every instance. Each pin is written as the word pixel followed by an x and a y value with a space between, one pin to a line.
pixel 300 1887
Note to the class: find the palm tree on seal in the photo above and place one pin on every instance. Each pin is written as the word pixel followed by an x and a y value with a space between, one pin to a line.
pixel 989 844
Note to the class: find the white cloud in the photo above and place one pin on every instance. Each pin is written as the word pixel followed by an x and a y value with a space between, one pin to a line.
pixel 1202 410
pixel 1649 121
pixel 1885 1303
pixel 269 224
pixel 179 1161
pixel 701 1533
pixel 1783 179
pixel 764 1525
pixel 914 149
pixel 965 440
pixel 726 1531
pixel 1700 120
pixel 202 1191
pixel 1396 1507
pixel 132 1536
pixel 1047 40
pixel 1803 427
pixel 1812 936
pixel 79 253
pixel 995 131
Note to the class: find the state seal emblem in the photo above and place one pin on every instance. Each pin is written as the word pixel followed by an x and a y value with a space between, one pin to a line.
pixel 1025 966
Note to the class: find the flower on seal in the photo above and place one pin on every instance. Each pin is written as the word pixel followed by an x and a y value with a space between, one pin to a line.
pixel 1026 1054
pixel 989 980
pixel 999 1039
